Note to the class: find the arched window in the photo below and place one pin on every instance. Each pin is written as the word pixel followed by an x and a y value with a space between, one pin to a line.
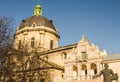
pixel 65 55
pixel 32 42
pixel 33 25
pixel 84 68
pixel 74 72
pixel 75 68
pixel 51 44
pixel 19 44
pixel 94 68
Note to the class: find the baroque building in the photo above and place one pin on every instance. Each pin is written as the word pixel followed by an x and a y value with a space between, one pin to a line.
pixel 36 32
pixel 48 62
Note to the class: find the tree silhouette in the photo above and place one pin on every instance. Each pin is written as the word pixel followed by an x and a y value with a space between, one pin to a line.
pixel 6 43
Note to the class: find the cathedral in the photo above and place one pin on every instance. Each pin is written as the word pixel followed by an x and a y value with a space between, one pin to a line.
pixel 48 62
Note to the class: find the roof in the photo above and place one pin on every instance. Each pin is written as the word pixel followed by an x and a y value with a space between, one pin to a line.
pixel 38 21
pixel 111 57
pixel 62 48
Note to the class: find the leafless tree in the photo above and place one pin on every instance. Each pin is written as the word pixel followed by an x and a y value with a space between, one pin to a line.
pixel 6 34
pixel 6 31
pixel 27 64
pixel 6 41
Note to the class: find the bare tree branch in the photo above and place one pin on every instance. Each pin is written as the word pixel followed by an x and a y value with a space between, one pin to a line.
pixel 6 31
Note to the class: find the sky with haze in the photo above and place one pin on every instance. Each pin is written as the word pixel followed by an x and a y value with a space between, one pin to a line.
pixel 98 20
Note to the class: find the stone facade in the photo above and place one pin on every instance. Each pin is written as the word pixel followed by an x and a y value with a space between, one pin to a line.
pixel 80 61
pixel 39 36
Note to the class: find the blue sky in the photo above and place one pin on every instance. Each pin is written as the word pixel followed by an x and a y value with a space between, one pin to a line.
pixel 98 20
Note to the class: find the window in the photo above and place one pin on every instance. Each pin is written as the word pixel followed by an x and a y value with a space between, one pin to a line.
pixel 84 55
pixel 51 44
pixel 84 68
pixel 75 68
pixel 32 42
pixel 86 72
pixel 19 45
pixel 95 71
pixel 94 68
pixel 65 55
pixel 33 25
pixel 74 72
pixel 42 80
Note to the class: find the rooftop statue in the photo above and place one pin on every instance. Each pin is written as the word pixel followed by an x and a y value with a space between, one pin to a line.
pixel 108 74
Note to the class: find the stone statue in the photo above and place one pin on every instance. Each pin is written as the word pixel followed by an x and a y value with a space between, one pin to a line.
pixel 108 75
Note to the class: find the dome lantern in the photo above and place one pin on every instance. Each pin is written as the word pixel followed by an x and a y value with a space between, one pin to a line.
pixel 38 10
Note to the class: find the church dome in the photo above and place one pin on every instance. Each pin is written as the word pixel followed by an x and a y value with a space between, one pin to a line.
pixel 36 32
pixel 37 20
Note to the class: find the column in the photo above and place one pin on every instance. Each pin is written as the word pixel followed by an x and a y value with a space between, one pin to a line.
pixel 42 38
pixel 79 71
pixel 98 67
pixel 88 71
pixel 66 72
